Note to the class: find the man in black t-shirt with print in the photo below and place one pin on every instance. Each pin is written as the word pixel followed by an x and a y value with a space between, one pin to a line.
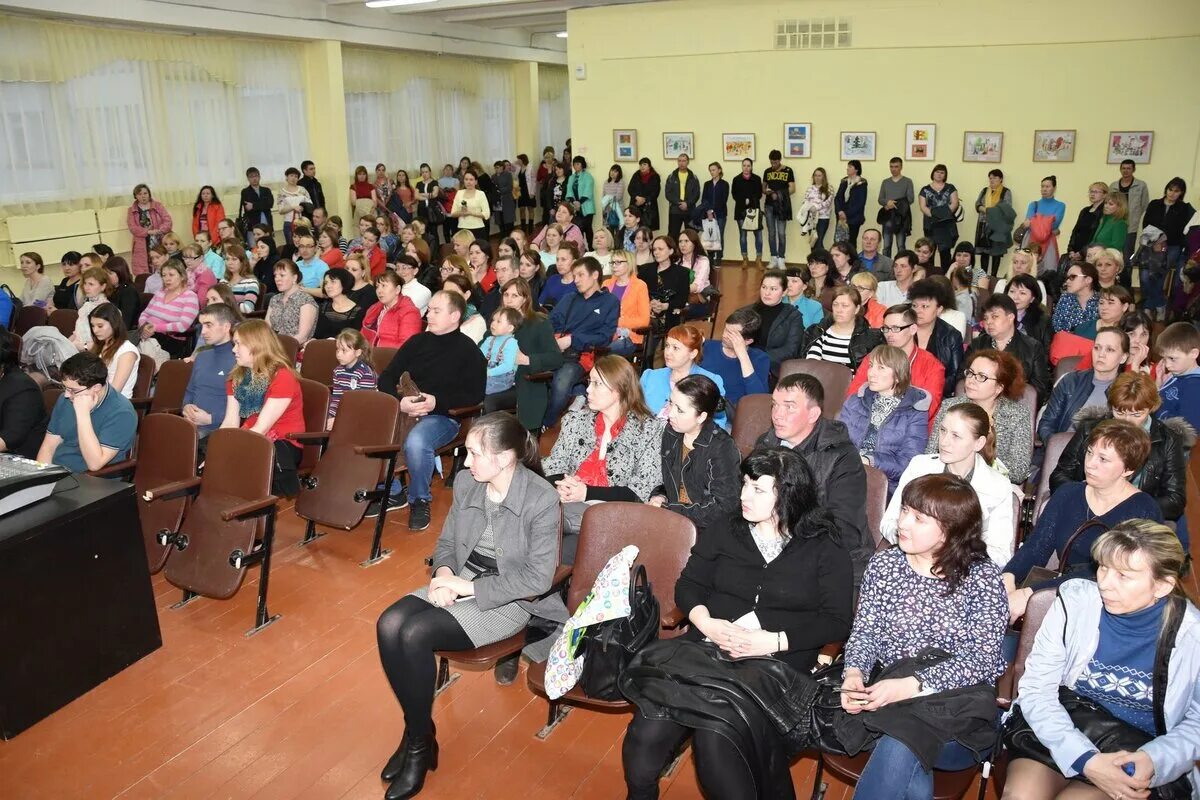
pixel 779 184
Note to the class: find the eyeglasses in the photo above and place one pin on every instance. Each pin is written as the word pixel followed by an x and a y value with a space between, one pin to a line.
pixel 1120 413
pixel 1073 275
pixel 972 375
pixel 69 392
pixel 894 328
pixel 614 262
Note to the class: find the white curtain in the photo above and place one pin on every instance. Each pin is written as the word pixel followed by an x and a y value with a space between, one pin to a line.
pixel 554 121
pixel 403 109
pixel 87 113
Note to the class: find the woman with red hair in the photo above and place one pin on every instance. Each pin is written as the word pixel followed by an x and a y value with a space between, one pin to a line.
pixel 681 354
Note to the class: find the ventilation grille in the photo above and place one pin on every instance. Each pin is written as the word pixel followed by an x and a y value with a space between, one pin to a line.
pixel 812 34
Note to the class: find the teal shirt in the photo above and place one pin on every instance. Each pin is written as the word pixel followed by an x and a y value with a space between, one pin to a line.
pixel 810 310
pixel 580 185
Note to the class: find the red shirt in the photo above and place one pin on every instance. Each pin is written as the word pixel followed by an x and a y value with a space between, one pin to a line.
pixel 594 469
pixel 378 262
pixel 334 258
pixel 285 384
pixel 488 280
pixel 927 373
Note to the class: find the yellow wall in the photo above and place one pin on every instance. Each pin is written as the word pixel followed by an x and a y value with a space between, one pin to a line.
pixel 1016 66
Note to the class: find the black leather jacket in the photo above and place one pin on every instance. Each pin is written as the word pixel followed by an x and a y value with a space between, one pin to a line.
pixel 946 344
pixel 862 341
pixel 710 475
pixel 1029 352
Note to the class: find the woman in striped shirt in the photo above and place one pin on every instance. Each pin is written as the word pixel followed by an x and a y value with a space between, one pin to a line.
pixel 171 312
pixel 845 338
pixel 239 274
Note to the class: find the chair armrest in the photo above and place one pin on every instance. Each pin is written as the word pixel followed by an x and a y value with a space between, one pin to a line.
pixel 173 490
pixel 176 410
pixel 378 450
pixel 673 618
pixel 114 469
pixel 309 437
pixel 466 411
pixel 832 650
pixel 141 402
pixel 254 508
pixel 642 330
pixel 540 377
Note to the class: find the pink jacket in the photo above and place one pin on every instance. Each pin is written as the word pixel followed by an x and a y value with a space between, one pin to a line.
pixel 160 221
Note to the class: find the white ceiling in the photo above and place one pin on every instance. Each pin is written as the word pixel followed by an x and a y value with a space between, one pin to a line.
pixel 529 16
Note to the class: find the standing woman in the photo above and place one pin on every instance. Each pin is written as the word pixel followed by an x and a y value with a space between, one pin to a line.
pixel 427 193
pixel 498 547
pixel 1170 214
pixel 612 200
pixel 714 205
pixel 38 289
pixel 821 197
pixel 404 191
pixel 938 201
pixel 363 197
pixel 207 212
pixel 994 229
pixel 1043 219
pixel 171 312
pixel 644 188
pixel 851 200
pixel 291 312
pixel 526 193
pixel 1084 232
pixel 581 194
pixel 471 207
pixel 1114 224
pixel 265 397
pixel 383 188
pixel 110 341
pixel 747 192
pixel 147 220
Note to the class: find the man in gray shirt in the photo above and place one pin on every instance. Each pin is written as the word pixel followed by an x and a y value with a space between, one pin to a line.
pixel 1137 197
pixel 896 196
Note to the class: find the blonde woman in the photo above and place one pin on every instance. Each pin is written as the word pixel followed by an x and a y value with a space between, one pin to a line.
pixel 872 310
pixel 1024 262
pixel 602 241
pixel 1114 224
pixel 1109 263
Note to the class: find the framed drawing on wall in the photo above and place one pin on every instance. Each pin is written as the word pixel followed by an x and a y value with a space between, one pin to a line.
pixel 1054 145
pixel 737 146
pixel 678 144
pixel 919 141
pixel 1132 145
pixel 983 146
pixel 858 144
pixel 797 140
pixel 625 144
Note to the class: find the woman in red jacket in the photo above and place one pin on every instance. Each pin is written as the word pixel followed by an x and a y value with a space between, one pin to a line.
pixel 394 319
pixel 207 213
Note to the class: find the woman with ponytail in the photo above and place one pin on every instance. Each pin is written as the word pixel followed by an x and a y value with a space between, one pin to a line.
pixel 966 445
pixel 498 547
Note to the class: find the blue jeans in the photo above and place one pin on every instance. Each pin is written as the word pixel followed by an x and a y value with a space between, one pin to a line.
pixel 894 773
pixel 1152 285
pixel 776 233
pixel 287 232
pixel 562 388
pixel 757 240
pixel 822 229
pixel 420 453
pixel 623 347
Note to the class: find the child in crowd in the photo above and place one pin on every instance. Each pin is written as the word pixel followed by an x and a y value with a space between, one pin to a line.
pixel 199 277
pixel 500 349
pixel 964 298
pixel 1179 345
pixel 354 370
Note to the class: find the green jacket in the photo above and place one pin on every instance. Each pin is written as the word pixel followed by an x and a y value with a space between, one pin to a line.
pixel 1111 232
pixel 580 185
pixel 536 340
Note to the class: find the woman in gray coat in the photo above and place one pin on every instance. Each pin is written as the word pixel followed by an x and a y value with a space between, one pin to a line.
pixel 498 548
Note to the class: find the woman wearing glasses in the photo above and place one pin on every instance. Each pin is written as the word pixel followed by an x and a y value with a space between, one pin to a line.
pixel 1079 307
pixel 995 382
pixel 634 295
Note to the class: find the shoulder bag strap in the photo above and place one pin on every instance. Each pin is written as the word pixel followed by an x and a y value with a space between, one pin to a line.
pixel 1176 608
pixel 1066 551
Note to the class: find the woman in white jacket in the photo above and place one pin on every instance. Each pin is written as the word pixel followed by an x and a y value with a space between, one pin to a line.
pixel 965 448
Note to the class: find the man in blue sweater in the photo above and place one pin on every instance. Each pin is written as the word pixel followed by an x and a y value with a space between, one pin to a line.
pixel 205 399
pixel 583 319
pixel 742 368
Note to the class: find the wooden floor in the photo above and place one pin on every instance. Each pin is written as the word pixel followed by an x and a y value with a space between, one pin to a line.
pixel 302 710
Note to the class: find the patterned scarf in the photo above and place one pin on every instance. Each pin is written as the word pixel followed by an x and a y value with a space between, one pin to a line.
pixel 882 408
pixel 250 393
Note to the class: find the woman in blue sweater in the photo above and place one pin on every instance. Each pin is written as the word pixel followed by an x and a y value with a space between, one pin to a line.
pixel 682 351
pixel 1116 450
pixel 1044 218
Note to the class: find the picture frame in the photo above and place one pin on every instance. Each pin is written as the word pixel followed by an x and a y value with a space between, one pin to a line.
pixel 920 141
pixel 625 144
pixel 857 144
pixel 1132 145
pixel 797 140
pixel 984 147
pixel 679 143
pixel 736 146
pixel 1054 145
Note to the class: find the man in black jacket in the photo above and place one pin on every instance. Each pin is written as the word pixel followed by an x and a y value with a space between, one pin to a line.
pixel 929 298
pixel 797 424
pixel 999 318
pixel 310 183
pixel 257 203
pixel 682 191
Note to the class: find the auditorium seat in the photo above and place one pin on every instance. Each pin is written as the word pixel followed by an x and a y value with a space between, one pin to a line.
pixel 751 419
pixel 834 378
pixel 320 360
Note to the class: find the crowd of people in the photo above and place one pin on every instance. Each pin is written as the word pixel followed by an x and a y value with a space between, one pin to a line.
pixel 957 382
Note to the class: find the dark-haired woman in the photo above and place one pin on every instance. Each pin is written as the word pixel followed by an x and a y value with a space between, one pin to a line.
pixel 68 294
pixel 498 546
pixel 937 589
pixel 850 202
pixel 747 191
pixel 538 352
pixel 38 289
pixel 1171 214
pixel 772 581
pixel 699 459
pixel 23 414
pixel 338 311
pixel 207 212
pixel 110 341
pixel 124 294
pixel 1032 319
pixel 939 203
pixel 644 189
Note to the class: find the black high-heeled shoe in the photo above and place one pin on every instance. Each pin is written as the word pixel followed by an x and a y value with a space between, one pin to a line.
pixel 395 764
pixel 421 757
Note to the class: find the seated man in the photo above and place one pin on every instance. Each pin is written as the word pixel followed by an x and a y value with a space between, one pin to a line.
pixel 895 291
pixel 999 319
pixel 506 270
pixel 204 399
pixel 92 424
pixel 451 372
pixel 900 330
pixel 583 319
pixel 743 369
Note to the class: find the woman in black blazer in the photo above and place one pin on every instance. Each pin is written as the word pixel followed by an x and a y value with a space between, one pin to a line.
pixel 23 415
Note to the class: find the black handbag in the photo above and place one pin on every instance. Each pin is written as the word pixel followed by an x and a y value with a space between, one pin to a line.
pixel 1106 732
pixel 609 646
pixel 1040 577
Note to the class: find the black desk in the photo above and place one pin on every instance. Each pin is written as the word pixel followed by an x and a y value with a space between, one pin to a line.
pixel 76 603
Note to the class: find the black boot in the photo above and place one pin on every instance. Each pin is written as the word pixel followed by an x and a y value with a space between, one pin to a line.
pixel 395 764
pixel 506 669
pixel 421 756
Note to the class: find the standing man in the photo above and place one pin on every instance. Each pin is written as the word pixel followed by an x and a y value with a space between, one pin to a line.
pixel 872 260
pixel 896 197
pixel 779 184
pixel 204 400
pixel 900 330
pixel 1137 197
pixel 682 191
pixel 257 202
pixel 313 186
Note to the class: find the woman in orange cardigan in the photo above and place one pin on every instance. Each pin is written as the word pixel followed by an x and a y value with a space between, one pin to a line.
pixel 635 302
pixel 872 309
pixel 207 213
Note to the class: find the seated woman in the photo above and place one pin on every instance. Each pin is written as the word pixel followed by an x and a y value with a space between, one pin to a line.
pixel 122 293
pixel 265 397
pixel 532 271
pixel 291 312
pixel 1116 450
pixel 966 448
pixel 887 419
pixel 995 382
pixel 1115 302
pixel 1111 630
pixel 799 294
pixel 479 259
pixel 867 284
pixel 936 589
pixel 23 415
pixel 327 247
pixel 110 341
pixel 845 338
pixel 38 289
pixel 607 450
pixel 772 581
pixel 411 287
pixel 782 327
pixel 1133 397
pixel 699 459
pixel 563 280
pixel 363 292
pixel 1078 308
pixel 538 352
pixel 683 350
pixel 626 286
pixel 95 294
pixel 240 277
pixel 497 548
pixel 172 312
pixel 1032 319
pixel 339 311
pixel 473 324
pixel 393 320
pixel 68 293
pixel 1087 387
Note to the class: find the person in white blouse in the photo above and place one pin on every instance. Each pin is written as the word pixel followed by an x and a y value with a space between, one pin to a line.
pixel 965 447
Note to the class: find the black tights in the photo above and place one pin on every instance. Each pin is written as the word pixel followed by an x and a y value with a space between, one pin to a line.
pixel 990 264
pixel 408 633
pixel 723 772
